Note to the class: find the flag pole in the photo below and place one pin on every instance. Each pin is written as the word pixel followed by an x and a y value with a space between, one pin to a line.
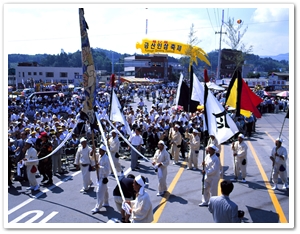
pixel 287 116
pixel 89 78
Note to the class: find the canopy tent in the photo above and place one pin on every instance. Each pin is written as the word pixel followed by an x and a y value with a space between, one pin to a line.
pixel 132 79
pixel 283 94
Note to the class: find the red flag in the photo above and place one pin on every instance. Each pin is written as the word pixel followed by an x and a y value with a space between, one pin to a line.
pixel 206 79
pixel 241 97
pixel 112 80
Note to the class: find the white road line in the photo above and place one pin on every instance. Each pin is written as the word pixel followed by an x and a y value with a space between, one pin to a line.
pixel 41 193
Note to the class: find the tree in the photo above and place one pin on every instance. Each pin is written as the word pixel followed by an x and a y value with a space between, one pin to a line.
pixel 192 41
pixel 234 40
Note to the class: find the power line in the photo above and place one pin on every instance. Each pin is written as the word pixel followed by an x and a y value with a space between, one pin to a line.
pixel 210 20
pixel 133 32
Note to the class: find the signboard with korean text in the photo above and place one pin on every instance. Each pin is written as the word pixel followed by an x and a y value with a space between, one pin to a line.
pixel 149 46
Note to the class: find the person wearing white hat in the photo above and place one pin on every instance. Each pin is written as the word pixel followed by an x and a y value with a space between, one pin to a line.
pixel 114 147
pixel 102 168
pixel 211 174
pixel 239 149
pixel 279 157
pixel 175 142
pixel 141 208
pixel 161 160
pixel 83 161
pixel 194 142
pixel 213 140
pixel 31 162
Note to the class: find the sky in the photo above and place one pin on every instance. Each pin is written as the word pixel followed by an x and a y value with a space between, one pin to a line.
pixel 49 28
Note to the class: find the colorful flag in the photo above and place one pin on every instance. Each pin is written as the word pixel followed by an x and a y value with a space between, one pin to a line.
pixel 217 122
pixel 240 97
pixel 88 70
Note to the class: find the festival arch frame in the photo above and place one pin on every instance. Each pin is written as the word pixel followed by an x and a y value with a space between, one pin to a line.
pixel 149 46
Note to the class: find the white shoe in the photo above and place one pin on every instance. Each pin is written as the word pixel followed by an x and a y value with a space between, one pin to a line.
pixel 95 210
pixel 160 194
pixel 30 188
pixel 37 187
pixel 285 186
pixel 203 204
pixel 275 187
pixel 83 190
pixel 243 180
pixel 174 163
pixel 105 205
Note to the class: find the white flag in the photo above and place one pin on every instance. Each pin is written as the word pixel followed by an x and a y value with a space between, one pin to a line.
pixel 178 89
pixel 115 113
pixel 220 124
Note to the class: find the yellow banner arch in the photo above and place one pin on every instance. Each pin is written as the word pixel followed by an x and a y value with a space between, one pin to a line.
pixel 149 46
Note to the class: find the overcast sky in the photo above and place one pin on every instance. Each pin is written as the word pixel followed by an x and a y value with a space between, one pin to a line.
pixel 44 28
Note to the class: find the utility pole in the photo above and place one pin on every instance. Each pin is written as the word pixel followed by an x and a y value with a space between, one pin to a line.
pixel 219 57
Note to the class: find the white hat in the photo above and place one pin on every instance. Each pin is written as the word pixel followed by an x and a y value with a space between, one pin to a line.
pixel 279 139
pixel 195 130
pixel 241 135
pixel 11 140
pixel 113 131
pixel 103 147
pixel 29 141
pixel 161 142
pixel 215 148
pixel 177 126
pixel 82 139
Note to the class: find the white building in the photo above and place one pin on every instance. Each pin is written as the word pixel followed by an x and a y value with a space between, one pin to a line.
pixel 32 72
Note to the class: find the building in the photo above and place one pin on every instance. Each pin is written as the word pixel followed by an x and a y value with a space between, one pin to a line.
pixel 230 59
pixel 151 66
pixel 30 73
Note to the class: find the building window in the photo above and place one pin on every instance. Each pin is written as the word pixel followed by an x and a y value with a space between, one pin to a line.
pixel 23 73
pixel 34 73
pixel 29 73
pixel 49 74
pixel 63 74
pixel 40 73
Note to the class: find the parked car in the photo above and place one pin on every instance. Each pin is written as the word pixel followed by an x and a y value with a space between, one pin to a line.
pixel 26 92
pixel 17 92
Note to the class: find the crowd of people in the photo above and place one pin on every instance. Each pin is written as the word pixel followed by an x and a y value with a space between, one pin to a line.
pixel 165 132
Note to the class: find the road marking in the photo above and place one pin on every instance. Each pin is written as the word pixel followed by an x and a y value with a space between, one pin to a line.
pixel 163 201
pixel 271 192
pixel 40 193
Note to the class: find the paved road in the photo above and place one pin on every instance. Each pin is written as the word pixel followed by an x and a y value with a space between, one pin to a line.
pixel 62 203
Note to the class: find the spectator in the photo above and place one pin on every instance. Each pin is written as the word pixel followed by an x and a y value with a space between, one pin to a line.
pixel 222 208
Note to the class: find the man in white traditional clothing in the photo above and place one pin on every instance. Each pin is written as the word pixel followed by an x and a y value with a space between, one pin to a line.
pixel 140 208
pixel 175 142
pixel 211 175
pixel 114 147
pixel 83 161
pixel 279 157
pixel 31 162
pixel 194 142
pixel 103 171
pixel 161 160
pixel 239 149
